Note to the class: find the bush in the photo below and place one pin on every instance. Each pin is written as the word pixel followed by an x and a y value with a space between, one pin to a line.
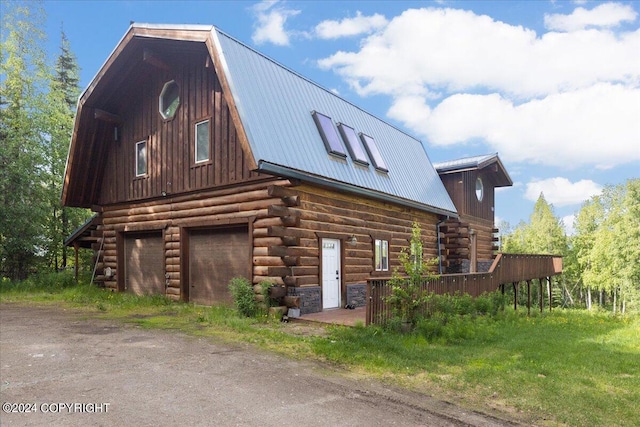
pixel 243 296
pixel 52 282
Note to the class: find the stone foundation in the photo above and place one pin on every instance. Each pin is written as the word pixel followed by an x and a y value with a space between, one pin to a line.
pixel 357 294
pixel 463 266
pixel 309 298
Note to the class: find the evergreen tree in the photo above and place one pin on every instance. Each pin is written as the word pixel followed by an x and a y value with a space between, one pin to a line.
pixel 542 235
pixel 23 68
pixel 58 124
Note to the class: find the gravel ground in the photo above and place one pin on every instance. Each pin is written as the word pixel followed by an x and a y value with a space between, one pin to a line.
pixel 64 367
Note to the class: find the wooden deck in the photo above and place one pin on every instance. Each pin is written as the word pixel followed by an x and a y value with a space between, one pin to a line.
pixel 506 269
pixel 337 316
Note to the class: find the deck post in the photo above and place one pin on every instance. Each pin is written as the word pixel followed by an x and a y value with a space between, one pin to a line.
pixel 549 289
pixel 541 298
pixel 368 299
pixel 76 246
pixel 528 298
pixel 515 296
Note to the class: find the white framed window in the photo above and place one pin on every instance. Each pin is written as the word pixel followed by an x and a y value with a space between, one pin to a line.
pixel 141 158
pixel 381 255
pixel 202 141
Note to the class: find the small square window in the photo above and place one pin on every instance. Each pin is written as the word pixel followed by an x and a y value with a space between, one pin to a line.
pixel 381 255
pixel 202 141
pixel 141 158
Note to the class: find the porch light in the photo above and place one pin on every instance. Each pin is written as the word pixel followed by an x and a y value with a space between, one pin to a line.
pixel 352 241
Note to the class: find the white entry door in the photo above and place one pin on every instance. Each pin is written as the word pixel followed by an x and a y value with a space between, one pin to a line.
pixel 330 273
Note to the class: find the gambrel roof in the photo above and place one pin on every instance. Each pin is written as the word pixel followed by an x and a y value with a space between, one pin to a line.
pixel 272 107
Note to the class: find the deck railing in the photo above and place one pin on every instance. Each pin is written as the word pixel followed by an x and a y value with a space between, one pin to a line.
pixel 506 268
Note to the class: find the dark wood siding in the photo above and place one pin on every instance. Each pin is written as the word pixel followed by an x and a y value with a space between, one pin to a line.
pixel 461 187
pixel 170 143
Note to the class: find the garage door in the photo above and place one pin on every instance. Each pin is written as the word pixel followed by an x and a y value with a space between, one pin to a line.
pixel 215 257
pixel 144 264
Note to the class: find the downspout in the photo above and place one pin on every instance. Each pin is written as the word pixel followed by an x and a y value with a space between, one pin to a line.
pixel 438 241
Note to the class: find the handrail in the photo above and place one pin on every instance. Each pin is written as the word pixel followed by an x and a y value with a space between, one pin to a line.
pixel 506 268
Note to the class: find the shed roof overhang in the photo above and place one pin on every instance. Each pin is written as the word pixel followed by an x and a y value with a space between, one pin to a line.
pixel 83 236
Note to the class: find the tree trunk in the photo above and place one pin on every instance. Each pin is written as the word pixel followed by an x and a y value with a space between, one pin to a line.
pixel 588 298
pixel 615 303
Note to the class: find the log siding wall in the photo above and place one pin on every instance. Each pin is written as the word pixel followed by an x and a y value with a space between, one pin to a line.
pixel 248 203
pixel 319 213
pixel 286 224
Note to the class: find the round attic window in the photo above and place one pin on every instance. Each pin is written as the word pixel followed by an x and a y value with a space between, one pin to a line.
pixel 169 100
pixel 479 189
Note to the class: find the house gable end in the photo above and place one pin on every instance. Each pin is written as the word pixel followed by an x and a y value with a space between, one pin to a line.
pixel 120 109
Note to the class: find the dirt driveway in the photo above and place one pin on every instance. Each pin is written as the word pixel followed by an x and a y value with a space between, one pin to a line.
pixel 68 368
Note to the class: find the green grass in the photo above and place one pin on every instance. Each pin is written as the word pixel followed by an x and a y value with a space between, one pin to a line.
pixel 561 368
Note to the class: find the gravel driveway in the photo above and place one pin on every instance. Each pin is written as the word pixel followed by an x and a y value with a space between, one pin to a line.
pixel 64 367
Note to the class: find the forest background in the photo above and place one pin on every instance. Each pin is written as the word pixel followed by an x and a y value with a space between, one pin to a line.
pixel 38 98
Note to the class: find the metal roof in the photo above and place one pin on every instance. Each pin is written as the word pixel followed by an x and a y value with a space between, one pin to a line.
pixel 275 106
pixel 475 162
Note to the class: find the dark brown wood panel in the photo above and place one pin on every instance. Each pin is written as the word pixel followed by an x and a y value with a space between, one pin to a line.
pixel 215 257
pixel 170 142
pixel 144 264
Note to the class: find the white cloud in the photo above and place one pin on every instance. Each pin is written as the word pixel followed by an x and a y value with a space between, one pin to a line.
pixel 559 98
pixel 562 192
pixel 350 26
pixel 270 25
pixel 605 15
pixel 597 125
pixel 568 221
pixel 433 50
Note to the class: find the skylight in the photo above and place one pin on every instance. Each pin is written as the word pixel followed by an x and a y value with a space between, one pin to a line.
pixel 374 154
pixel 329 134
pixel 353 144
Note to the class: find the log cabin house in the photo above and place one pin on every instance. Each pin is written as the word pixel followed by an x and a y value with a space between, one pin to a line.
pixel 205 160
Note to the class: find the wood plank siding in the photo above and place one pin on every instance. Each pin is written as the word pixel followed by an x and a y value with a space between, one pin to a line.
pixel 171 166
pixel 461 186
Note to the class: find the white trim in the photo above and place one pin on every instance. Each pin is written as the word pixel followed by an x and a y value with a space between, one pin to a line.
pixel 195 142
pixel 146 158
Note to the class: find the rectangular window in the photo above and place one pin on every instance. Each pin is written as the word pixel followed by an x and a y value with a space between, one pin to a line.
pixel 353 144
pixel 202 141
pixel 381 255
pixel 329 134
pixel 141 158
pixel 374 154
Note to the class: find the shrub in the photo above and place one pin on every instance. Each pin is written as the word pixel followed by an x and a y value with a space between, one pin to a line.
pixel 243 296
pixel 408 298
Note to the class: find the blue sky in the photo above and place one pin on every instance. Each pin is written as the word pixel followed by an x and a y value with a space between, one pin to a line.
pixel 552 86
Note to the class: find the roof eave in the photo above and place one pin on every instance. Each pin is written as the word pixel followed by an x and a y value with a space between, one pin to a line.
pixel 274 169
